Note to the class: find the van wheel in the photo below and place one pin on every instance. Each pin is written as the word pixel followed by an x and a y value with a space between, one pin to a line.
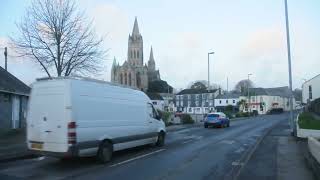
pixel 105 152
pixel 161 139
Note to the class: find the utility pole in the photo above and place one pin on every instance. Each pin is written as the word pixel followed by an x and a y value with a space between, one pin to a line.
pixel 5 58
pixel 209 69
pixel 291 122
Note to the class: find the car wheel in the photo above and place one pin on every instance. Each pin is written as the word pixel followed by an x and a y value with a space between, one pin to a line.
pixel 105 152
pixel 161 139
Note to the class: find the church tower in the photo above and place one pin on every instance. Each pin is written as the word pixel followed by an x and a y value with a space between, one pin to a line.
pixel 135 46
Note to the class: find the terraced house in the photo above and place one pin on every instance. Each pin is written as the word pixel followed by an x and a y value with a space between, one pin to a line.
pixel 196 101
pixel 263 100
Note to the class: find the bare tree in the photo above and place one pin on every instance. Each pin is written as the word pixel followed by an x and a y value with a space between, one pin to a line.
pixel 243 85
pixel 58 37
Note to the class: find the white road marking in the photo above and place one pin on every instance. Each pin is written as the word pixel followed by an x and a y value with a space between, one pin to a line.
pixel 236 163
pixel 135 158
pixel 187 141
pixel 241 149
pixel 228 142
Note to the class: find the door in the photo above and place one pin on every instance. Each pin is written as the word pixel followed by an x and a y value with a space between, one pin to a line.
pixel 15 112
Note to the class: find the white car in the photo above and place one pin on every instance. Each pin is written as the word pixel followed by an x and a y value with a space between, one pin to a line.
pixel 70 117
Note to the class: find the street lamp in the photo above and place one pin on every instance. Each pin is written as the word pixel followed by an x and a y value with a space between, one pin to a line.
pixel 209 69
pixel 248 92
pixel 289 66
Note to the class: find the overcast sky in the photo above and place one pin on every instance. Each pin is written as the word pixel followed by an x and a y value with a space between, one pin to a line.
pixel 247 36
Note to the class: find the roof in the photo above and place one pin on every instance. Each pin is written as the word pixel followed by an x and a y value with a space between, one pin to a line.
pixel 196 91
pixel 311 79
pixel 154 96
pixel 9 83
pixel 276 91
pixel 279 91
pixel 228 96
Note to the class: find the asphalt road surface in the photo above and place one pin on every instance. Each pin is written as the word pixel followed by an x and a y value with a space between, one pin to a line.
pixel 193 153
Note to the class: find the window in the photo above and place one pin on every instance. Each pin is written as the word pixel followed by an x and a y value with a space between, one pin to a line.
pixel 227 101
pixel 190 110
pixel 197 103
pixel 154 103
pixel 137 54
pixel 152 112
pixel 310 92
pixel 220 102
pixel 233 101
pixel 6 98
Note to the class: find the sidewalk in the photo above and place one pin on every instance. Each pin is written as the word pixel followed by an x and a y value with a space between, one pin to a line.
pixel 279 156
pixel 13 145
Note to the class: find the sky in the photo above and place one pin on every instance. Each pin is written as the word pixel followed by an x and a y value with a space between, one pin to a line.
pixel 247 36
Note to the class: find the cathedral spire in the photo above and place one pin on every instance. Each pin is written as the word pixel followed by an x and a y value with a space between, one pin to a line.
pixel 114 62
pixel 135 31
pixel 151 58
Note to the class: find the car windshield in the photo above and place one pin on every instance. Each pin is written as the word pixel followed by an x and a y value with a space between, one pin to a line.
pixel 213 116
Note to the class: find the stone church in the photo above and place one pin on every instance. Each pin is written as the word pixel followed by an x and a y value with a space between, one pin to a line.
pixel 133 71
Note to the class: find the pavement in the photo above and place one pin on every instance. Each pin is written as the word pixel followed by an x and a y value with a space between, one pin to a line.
pixel 190 153
pixel 13 145
pixel 278 156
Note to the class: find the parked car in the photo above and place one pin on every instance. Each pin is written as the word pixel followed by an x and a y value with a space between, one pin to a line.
pixel 217 119
pixel 76 117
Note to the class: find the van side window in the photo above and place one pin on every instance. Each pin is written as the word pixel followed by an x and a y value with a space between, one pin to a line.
pixel 150 110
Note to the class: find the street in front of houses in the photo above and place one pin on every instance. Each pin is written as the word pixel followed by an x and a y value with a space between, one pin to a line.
pixel 189 153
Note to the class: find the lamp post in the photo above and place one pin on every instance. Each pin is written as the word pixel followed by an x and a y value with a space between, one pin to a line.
pixel 248 92
pixel 289 66
pixel 209 69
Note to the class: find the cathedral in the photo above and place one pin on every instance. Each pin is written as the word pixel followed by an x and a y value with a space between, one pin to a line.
pixel 133 71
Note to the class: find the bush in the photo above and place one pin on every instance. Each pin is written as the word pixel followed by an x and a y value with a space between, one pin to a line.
pixel 242 114
pixel 165 116
pixel 228 114
pixel 186 119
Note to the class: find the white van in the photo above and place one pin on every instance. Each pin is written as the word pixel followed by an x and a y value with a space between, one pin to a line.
pixel 74 116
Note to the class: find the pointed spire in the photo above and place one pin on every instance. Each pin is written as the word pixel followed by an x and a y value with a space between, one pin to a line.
pixel 151 58
pixel 114 62
pixel 135 30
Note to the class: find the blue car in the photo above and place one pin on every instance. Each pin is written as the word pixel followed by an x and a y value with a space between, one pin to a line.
pixel 218 119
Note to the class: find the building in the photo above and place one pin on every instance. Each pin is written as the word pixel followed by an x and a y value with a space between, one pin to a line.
pixel 195 101
pixel 311 90
pixel 157 101
pixel 13 101
pixel 263 100
pixel 133 72
pixel 228 99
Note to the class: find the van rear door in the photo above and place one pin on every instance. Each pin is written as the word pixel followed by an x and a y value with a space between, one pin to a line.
pixel 47 123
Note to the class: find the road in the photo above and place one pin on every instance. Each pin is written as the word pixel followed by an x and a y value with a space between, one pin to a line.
pixel 193 153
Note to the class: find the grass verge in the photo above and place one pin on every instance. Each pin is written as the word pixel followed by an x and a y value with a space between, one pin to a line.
pixel 307 121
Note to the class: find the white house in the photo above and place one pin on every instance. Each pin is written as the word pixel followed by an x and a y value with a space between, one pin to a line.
pixel 157 101
pixel 311 89
pixel 263 100
pixel 224 100
pixel 196 101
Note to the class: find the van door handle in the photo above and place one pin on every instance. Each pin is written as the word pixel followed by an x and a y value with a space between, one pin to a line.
pixel 150 121
pixel 48 131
